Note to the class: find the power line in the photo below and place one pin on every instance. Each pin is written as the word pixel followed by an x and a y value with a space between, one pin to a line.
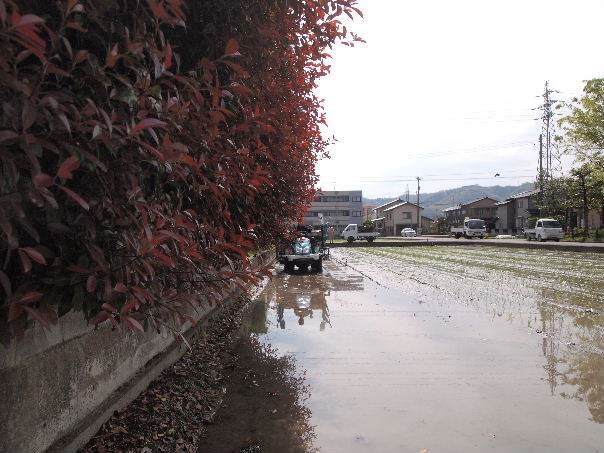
pixel 451 179
pixel 478 149
pixel 523 170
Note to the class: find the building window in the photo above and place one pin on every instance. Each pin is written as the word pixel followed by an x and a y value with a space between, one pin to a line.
pixel 356 199
pixel 357 213
pixel 317 199
pixel 334 199
pixel 406 215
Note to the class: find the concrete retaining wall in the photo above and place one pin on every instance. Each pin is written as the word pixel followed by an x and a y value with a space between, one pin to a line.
pixel 57 387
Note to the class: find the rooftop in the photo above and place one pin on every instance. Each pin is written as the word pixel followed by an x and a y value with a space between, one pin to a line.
pixel 526 193
pixel 399 205
pixel 479 199
pixel 390 202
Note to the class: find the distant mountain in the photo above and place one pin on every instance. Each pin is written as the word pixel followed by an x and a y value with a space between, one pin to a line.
pixel 433 203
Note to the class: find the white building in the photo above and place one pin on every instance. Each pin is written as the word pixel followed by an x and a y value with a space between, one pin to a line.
pixel 339 208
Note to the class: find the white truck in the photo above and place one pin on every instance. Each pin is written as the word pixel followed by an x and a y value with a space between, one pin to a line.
pixel 545 230
pixel 472 228
pixel 354 232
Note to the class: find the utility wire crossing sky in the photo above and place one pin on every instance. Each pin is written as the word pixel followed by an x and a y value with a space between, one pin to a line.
pixel 452 89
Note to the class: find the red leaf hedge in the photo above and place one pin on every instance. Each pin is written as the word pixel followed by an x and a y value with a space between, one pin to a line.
pixel 146 147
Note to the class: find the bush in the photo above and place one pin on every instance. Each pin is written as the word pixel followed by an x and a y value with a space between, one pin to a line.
pixel 140 161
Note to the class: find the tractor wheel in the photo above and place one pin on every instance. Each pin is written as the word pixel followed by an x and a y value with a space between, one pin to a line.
pixel 317 266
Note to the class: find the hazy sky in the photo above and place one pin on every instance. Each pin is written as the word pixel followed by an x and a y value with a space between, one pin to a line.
pixel 444 90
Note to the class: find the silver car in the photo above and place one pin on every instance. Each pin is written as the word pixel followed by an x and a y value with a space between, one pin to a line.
pixel 408 233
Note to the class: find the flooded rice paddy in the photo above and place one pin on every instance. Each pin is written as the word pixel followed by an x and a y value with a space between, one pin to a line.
pixel 444 349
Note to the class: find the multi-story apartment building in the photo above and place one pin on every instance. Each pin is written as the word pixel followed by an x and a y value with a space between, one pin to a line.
pixel 339 208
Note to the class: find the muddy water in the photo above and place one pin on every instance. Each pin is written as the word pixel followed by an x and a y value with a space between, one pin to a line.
pixel 445 349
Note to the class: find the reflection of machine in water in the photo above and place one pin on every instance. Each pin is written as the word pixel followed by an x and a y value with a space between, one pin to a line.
pixel 304 296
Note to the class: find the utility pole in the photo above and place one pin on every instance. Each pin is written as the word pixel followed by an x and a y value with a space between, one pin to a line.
pixel 419 217
pixel 407 193
pixel 582 175
pixel 541 194
pixel 541 163
pixel 547 131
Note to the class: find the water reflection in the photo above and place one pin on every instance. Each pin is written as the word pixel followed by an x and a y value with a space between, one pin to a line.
pixel 305 296
pixel 572 347
pixel 265 409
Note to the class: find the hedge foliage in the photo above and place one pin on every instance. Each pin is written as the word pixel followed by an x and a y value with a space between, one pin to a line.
pixel 146 147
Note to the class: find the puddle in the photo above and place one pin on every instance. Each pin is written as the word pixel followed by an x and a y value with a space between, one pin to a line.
pixel 444 353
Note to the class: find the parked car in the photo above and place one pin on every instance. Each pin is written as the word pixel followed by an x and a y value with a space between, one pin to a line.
pixel 408 233
pixel 545 229
pixel 472 228
pixel 354 232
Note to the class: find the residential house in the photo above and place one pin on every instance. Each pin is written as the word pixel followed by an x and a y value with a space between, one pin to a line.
pixel 506 218
pixel 401 215
pixel 525 206
pixel 484 208
pixel 339 208
pixel 427 225
pixel 368 212
pixel 378 214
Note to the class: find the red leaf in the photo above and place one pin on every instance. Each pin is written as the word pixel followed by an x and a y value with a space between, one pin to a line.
pixel 14 311
pixel 28 115
pixel 112 56
pixel 146 123
pixel 101 317
pixel 28 19
pixel 120 288
pixel 91 283
pixel 132 303
pixel 168 57
pixel 65 122
pixel 43 180
pixel 7 135
pixel 110 308
pixel 232 46
pixel 70 165
pixel 4 280
pixel 75 197
pixel 158 10
pixel 34 255
pixel 80 56
pixel 25 261
pixel 33 296
pixel 78 269
pixel 38 315
pixel 132 323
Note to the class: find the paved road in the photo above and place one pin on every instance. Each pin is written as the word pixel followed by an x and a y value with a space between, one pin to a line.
pixel 447 349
